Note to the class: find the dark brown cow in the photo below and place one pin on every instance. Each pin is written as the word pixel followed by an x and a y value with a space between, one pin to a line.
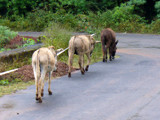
pixel 108 40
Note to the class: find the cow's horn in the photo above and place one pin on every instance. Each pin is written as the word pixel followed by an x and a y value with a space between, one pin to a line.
pixel 92 35
pixel 98 41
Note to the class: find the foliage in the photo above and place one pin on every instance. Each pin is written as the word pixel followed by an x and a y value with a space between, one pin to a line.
pixel 122 13
pixel 4 82
pixel 3 49
pixel 15 61
pixel 17 7
pixel 28 42
pixel 12 8
pixel 57 35
pixel 7 82
pixel 137 2
pixel 155 26
pixel 157 6
pixel 122 18
pixel 6 35
pixel 8 89
pixel 39 19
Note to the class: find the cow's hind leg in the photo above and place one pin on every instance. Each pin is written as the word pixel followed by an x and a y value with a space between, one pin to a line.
pixel 81 63
pixel 70 62
pixel 104 52
pixel 49 84
pixel 41 84
pixel 39 90
pixel 36 80
pixel 43 74
pixel 88 62
pixel 110 54
pixel 104 49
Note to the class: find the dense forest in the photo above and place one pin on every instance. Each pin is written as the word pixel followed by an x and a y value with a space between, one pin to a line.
pixel 82 15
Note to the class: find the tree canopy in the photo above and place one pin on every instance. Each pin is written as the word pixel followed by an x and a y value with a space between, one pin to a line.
pixel 149 9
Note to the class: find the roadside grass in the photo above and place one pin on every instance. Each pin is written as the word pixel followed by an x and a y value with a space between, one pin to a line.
pixel 12 88
pixel 15 62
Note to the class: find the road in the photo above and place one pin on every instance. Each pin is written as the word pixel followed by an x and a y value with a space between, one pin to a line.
pixel 127 88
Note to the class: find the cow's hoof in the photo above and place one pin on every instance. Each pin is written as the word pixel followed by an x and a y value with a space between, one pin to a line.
pixel 110 58
pixel 37 98
pixel 86 69
pixel 42 94
pixel 49 92
pixel 82 72
pixel 69 74
pixel 40 100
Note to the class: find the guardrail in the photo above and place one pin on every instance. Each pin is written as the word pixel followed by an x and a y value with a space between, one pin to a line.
pixel 6 72
pixel 20 50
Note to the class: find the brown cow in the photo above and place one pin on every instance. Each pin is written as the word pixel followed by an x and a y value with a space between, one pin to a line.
pixel 108 40
pixel 80 45
pixel 43 60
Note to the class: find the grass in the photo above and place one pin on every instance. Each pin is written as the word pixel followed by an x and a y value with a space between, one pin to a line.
pixel 8 89
pixel 16 61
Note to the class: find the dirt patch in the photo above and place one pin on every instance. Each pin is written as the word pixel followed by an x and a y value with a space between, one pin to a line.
pixel 19 41
pixel 25 73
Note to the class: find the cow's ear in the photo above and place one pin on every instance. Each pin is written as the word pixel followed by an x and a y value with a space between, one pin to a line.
pixel 116 42
pixel 51 47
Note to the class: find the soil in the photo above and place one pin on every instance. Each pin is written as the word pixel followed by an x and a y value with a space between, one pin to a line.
pixel 19 41
pixel 25 73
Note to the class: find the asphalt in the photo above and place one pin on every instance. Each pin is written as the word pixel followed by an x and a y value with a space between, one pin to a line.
pixel 127 88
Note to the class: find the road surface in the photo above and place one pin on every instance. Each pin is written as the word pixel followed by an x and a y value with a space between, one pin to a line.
pixel 127 88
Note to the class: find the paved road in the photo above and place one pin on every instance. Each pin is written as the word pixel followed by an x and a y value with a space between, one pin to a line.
pixel 33 34
pixel 127 88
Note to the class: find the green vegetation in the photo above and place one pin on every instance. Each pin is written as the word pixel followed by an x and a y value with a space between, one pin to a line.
pixel 29 41
pixel 15 61
pixel 7 82
pixel 10 88
pixel 4 82
pixel 6 35
pixel 140 16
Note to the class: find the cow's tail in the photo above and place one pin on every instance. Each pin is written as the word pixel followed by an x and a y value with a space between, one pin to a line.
pixel 75 48
pixel 71 44
pixel 38 66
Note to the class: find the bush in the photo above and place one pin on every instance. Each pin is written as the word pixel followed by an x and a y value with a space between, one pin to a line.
pixel 4 82
pixel 120 19
pixel 155 26
pixel 157 6
pixel 6 35
pixel 57 36
pixel 39 19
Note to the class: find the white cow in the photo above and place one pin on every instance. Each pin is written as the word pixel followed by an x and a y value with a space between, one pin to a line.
pixel 43 60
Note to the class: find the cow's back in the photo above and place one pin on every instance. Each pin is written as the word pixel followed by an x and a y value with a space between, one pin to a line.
pixel 80 44
pixel 45 57
pixel 108 36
